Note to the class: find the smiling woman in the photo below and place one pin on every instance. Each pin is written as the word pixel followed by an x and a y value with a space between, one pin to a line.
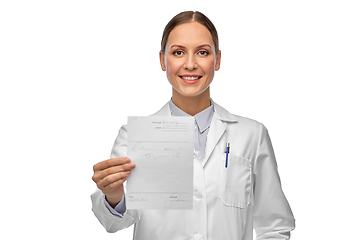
pixel 190 64
pixel 230 198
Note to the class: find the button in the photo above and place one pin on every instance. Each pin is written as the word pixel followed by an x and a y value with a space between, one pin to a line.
pixel 195 127
pixel 198 195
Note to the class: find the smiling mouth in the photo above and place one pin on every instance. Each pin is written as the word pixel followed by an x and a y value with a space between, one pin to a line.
pixel 190 78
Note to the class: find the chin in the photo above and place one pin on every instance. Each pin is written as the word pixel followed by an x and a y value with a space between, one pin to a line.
pixel 191 93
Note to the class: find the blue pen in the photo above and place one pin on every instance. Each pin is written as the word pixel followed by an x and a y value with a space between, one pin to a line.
pixel 227 153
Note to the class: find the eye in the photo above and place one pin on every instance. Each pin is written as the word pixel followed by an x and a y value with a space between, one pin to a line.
pixel 178 53
pixel 203 53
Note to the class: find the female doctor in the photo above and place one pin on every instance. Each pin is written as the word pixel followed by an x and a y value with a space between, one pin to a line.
pixel 228 202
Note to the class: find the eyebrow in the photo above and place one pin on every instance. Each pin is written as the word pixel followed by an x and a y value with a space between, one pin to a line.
pixel 201 46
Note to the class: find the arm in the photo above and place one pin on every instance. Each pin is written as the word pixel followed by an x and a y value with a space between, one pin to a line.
pixel 273 218
pixel 111 221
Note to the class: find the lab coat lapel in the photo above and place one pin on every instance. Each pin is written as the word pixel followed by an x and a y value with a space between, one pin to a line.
pixel 217 129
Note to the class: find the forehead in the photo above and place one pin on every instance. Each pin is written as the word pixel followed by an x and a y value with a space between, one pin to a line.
pixel 192 33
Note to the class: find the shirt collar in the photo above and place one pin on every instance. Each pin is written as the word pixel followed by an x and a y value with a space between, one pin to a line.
pixel 203 118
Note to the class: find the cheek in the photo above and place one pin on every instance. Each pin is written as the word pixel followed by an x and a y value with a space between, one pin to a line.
pixel 172 67
pixel 209 67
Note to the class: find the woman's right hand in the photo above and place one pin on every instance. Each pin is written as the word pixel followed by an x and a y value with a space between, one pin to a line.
pixel 109 176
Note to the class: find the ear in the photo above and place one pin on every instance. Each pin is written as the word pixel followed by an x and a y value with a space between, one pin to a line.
pixel 162 61
pixel 218 60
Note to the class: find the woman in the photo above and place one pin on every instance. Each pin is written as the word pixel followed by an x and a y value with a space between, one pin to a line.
pixel 228 202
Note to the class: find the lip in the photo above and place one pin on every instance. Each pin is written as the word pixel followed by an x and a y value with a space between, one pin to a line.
pixel 190 81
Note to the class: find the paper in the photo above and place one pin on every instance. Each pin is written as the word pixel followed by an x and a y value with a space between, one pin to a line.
pixel 162 149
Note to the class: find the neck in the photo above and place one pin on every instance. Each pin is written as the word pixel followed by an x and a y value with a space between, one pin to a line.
pixel 192 105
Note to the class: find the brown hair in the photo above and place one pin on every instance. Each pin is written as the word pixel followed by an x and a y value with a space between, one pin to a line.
pixel 190 16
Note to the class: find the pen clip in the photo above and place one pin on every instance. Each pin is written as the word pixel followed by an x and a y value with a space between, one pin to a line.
pixel 227 147
pixel 227 154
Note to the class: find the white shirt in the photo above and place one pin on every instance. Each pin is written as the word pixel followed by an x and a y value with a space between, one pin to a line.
pixel 228 202
pixel 201 126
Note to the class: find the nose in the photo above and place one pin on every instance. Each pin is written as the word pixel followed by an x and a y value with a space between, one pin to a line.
pixel 190 63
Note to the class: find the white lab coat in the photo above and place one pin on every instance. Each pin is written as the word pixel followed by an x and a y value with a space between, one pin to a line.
pixel 228 202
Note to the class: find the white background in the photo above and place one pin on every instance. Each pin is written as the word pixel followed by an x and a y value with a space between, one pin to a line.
pixel 71 71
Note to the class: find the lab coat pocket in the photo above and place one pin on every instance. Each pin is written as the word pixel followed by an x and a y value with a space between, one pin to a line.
pixel 235 182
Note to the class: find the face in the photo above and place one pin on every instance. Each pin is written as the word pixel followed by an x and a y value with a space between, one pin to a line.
pixel 190 60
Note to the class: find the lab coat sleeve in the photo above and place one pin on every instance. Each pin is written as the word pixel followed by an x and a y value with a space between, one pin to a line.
pixel 114 222
pixel 273 218
pixel 119 209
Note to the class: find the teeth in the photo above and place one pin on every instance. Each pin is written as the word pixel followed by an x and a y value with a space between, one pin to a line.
pixel 190 78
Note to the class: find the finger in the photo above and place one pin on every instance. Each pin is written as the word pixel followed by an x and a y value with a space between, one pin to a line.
pixel 109 188
pixel 110 162
pixel 120 168
pixel 112 178
pixel 112 170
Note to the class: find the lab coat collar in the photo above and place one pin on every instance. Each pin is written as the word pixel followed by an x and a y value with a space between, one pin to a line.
pixel 164 111
pixel 220 113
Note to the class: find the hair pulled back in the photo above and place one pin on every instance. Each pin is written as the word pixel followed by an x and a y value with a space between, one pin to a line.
pixel 186 17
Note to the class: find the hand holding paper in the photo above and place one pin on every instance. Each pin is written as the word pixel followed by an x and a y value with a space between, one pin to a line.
pixel 109 176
